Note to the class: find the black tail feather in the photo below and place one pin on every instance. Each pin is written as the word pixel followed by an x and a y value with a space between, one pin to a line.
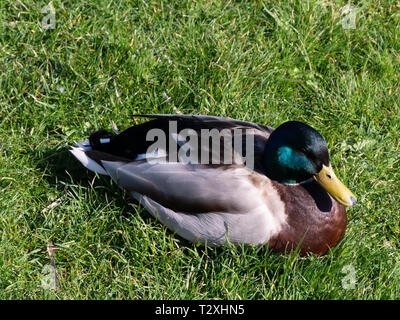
pixel 101 140
pixel 99 156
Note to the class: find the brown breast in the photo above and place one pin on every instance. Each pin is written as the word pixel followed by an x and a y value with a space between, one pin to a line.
pixel 315 221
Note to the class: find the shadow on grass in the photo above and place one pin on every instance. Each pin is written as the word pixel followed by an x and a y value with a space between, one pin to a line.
pixel 61 169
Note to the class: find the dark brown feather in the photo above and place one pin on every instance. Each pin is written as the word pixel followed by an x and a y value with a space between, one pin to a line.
pixel 316 222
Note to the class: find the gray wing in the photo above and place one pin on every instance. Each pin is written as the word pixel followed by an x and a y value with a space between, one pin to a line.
pixel 187 188
pixel 203 204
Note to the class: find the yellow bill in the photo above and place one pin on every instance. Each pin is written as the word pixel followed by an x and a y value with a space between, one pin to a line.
pixel 328 180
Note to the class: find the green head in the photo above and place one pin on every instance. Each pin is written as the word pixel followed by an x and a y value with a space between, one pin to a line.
pixel 296 152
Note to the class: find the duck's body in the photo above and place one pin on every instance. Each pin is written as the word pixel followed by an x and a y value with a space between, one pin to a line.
pixel 215 202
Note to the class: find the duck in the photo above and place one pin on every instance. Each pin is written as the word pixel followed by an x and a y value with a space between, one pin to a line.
pixel 213 180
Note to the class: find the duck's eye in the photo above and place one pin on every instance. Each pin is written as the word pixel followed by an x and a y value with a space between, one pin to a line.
pixel 329 176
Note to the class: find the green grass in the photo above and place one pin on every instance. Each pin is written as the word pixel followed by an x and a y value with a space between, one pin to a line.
pixel 266 62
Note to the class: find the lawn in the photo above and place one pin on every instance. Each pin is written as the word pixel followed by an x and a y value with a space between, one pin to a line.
pixel 72 67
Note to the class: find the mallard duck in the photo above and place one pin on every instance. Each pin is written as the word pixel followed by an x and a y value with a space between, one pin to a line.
pixel 289 198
